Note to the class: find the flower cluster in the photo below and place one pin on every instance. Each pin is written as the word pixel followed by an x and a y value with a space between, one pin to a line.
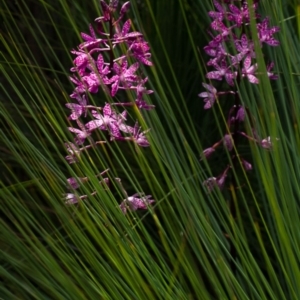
pixel 233 58
pixel 98 67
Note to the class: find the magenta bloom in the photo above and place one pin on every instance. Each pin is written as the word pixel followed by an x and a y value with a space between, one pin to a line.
pixel 77 109
pixel 81 135
pixel 209 96
pixel 124 76
pixel 73 183
pixel 107 121
pixel 249 71
pixel 220 13
pixel 265 34
pixel 222 70
pixel 134 203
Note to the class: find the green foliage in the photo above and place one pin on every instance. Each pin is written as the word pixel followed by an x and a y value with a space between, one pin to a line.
pixel 180 248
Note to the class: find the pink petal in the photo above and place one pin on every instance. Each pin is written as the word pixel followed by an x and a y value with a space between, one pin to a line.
pixel 100 62
pixel 244 41
pixel 86 37
pixel 234 9
pixel 97 115
pixel 209 88
pixel 107 111
pixel 208 103
pixel 75 130
pixel 247 63
pixel 214 75
pixel 92 125
pixel 252 79
pixel 114 88
pixel 210 51
pixel 132 69
pixel 143 60
pixel 124 8
pixel 218 6
pixel 204 95
pixel 126 27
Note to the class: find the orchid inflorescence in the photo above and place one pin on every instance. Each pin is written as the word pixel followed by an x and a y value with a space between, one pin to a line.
pixel 233 59
pixel 97 66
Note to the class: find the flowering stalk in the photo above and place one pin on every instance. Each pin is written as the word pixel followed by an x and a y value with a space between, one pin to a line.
pixel 98 67
pixel 233 59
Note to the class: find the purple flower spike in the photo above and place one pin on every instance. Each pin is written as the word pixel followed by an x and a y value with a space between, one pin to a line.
pixel 124 77
pixel 232 60
pixel 102 64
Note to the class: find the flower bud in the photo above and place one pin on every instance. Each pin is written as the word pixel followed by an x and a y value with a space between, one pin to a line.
pixel 228 142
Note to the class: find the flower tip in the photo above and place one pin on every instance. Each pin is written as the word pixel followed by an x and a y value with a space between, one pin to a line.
pixel 267 143
pixel 228 142
pixel 207 153
pixel 247 166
